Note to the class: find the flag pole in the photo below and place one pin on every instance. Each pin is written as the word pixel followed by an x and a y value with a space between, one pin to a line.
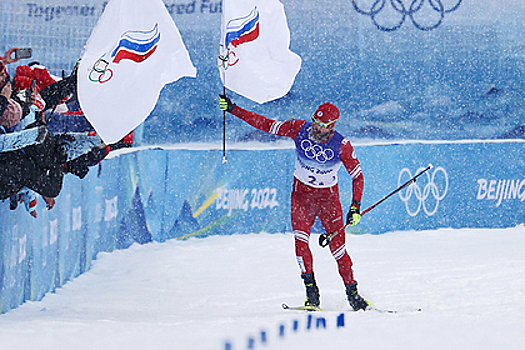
pixel 224 129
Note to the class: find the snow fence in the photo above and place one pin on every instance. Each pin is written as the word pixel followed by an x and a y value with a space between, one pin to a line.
pixel 157 194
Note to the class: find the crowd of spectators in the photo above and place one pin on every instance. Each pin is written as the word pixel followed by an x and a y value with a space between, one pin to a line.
pixel 43 134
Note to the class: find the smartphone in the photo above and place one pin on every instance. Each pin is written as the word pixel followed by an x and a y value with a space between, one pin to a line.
pixel 23 53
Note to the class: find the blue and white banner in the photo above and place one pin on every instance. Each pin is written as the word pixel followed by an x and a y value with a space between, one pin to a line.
pixel 396 69
pixel 134 50
pixel 156 194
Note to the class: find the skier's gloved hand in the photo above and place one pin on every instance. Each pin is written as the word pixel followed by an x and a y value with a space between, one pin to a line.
pixel 354 214
pixel 226 104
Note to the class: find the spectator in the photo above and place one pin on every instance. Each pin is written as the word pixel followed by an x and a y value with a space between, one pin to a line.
pixel 53 90
pixel 5 88
pixel 37 166
pixel 86 149
pixel 40 165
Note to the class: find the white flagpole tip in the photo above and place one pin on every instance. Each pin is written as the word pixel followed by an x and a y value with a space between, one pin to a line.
pixel 430 166
pixel 224 160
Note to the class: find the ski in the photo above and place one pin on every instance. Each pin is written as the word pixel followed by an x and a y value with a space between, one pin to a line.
pixel 383 311
pixel 304 308
pixel 390 311
pixel 370 308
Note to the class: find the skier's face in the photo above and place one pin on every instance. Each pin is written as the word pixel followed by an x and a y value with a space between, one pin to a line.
pixel 322 133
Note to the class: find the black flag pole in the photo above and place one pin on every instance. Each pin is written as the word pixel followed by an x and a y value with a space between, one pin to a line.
pixel 224 129
pixel 223 65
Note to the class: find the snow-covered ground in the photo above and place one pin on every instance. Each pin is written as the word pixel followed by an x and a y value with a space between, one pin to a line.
pixel 222 291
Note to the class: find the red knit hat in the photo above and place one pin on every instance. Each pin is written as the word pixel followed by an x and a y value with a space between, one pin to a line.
pixel 42 77
pixel 23 77
pixel 25 74
pixel 22 82
pixel 327 113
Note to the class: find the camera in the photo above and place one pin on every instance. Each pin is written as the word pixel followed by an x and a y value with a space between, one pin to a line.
pixel 23 53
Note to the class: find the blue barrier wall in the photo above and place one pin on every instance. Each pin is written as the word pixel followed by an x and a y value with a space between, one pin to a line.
pixel 158 194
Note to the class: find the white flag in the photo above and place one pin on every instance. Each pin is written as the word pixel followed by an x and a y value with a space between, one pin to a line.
pixel 134 50
pixel 255 59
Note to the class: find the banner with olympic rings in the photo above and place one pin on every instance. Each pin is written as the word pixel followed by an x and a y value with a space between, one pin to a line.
pixel 397 69
pixel 471 184
pixel 159 194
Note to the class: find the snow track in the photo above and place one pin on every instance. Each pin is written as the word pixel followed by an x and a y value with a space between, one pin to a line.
pixel 225 290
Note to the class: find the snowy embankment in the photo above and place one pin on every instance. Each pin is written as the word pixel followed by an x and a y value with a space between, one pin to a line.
pixel 222 291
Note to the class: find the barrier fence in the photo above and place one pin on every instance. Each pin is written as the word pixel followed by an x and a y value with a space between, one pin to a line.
pixel 158 194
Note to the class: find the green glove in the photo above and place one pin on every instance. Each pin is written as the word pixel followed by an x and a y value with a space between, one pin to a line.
pixel 226 104
pixel 354 214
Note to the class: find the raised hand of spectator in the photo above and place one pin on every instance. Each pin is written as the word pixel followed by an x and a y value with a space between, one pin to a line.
pixel 8 56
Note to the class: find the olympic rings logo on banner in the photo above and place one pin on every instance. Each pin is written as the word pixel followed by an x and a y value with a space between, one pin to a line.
pixel 228 60
pixel 397 11
pixel 100 72
pixel 322 155
pixel 421 195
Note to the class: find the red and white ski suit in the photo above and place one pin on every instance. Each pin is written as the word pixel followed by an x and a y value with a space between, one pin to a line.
pixel 315 190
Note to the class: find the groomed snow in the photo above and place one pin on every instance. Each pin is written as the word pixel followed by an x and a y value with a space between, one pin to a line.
pixel 218 292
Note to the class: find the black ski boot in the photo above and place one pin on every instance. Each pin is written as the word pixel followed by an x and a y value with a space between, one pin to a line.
pixel 312 291
pixel 354 299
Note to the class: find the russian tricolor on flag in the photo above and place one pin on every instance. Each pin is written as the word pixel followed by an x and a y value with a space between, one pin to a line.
pixel 243 30
pixel 136 45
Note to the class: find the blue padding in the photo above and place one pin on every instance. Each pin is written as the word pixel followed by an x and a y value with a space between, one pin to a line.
pixel 155 195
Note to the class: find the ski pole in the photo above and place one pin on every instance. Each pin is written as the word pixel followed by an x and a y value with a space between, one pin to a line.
pixel 324 238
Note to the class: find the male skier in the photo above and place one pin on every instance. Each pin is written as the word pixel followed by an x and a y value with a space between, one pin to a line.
pixel 320 151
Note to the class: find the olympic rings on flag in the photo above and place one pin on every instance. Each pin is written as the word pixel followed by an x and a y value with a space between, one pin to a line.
pixel 382 7
pixel 228 60
pixel 421 195
pixel 317 152
pixel 104 74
